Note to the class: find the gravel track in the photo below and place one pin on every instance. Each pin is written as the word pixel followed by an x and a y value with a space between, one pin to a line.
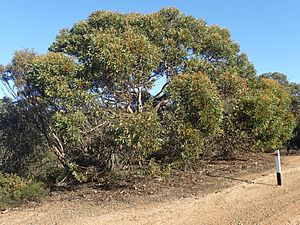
pixel 254 199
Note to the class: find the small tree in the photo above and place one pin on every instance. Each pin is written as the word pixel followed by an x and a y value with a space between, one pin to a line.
pixel 197 113
pixel 232 140
pixel 266 115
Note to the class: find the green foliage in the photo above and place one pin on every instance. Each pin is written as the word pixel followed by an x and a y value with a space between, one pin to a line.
pixel 156 170
pixel 232 87
pixel 182 141
pixel 71 125
pixel 197 113
pixel 164 43
pixel 295 93
pixel 21 140
pixel 266 115
pixel 116 62
pixel 197 101
pixel 189 142
pixel 233 139
pixel 14 190
pixel 18 69
pixel 234 90
pixel 129 139
pixel 45 168
pixel 278 77
pixel 256 115
pixel 139 133
pixel 294 90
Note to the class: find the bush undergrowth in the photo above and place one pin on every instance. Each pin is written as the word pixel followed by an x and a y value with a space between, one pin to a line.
pixel 15 190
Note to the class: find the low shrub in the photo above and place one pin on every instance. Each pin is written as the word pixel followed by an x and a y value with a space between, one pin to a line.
pixel 15 190
pixel 129 139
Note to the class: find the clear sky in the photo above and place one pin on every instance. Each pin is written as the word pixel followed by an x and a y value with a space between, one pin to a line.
pixel 267 30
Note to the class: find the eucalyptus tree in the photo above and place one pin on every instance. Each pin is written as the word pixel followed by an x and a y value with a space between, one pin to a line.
pixel 294 90
pixel 91 96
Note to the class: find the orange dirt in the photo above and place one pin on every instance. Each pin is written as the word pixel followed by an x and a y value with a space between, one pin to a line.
pixel 251 199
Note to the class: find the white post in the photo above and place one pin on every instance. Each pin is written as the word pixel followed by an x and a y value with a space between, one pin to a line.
pixel 278 166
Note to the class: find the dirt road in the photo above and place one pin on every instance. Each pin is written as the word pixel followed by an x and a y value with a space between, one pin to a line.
pixel 254 199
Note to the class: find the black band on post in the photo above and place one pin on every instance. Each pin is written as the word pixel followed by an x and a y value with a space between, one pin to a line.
pixel 279 178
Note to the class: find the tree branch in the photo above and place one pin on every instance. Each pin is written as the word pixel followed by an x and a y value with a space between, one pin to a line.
pixel 140 104
pixel 162 90
pixel 161 103
pixel 128 107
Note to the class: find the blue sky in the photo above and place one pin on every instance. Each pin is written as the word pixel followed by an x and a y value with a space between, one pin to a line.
pixel 267 30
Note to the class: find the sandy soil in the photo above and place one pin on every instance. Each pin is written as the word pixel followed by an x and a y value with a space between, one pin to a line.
pixel 251 199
